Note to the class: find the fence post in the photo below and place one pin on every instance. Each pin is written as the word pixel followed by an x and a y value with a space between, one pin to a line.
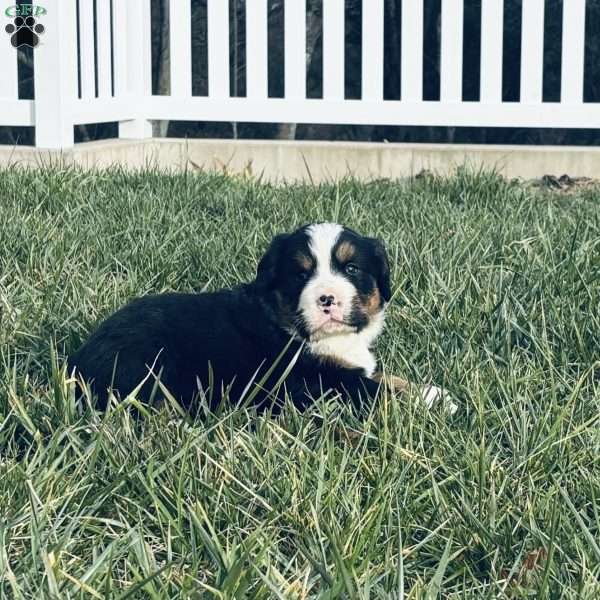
pixel 55 75
pixel 138 57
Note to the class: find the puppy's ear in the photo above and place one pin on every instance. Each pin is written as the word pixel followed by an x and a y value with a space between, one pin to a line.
pixel 266 272
pixel 383 268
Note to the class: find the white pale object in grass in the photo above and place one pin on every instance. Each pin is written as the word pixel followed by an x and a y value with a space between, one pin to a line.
pixel 433 395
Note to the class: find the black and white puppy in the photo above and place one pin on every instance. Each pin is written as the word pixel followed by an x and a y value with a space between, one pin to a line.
pixel 303 327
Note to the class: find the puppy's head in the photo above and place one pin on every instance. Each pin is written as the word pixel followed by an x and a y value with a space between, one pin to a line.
pixel 326 280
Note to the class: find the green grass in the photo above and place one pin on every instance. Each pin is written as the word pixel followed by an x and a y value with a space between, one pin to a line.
pixel 497 294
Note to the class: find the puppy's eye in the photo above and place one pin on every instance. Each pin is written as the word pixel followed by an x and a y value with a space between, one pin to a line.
pixel 351 269
pixel 302 276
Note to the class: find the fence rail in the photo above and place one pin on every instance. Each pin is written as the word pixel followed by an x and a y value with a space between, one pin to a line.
pixel 93 65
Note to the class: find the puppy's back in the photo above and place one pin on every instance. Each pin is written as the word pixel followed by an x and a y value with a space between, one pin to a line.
pixel 162 332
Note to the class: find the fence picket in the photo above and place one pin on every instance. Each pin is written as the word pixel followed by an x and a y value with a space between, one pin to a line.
pixel 120 42
pixel 86 45
pixel 333 49
pixel 573 48
pixel 180 40
pixel 532 51
pixel 256 49
pixel 104 50
pixel 412 51
pixel 295 48
pixel 139 67
pixel 492 21
pixel 218 48
pixel 451 51
pixel 9 74
pixel 372 51
pixel 55 77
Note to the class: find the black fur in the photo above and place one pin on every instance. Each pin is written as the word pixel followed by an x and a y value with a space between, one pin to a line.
pixel 229 338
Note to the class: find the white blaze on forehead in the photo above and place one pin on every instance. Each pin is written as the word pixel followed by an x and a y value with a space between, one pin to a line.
pixel 322 239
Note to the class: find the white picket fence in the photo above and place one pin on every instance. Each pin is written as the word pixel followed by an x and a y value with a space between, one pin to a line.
pixel 124 92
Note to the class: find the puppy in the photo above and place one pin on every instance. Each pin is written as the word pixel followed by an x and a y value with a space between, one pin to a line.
pixel 305 326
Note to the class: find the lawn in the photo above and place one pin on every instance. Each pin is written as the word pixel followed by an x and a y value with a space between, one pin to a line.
pixel 496 296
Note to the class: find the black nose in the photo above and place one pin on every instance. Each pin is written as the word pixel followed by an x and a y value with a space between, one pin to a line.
pixel 326 300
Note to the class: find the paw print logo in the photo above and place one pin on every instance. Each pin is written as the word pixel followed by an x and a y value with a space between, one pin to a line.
pixel 24 31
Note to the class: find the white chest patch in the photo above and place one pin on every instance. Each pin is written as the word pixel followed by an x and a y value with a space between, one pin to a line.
pixel 348 350
pixel 353 349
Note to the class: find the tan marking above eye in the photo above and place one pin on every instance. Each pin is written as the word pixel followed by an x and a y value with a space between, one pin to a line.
pixel 304 261
pixel 345 251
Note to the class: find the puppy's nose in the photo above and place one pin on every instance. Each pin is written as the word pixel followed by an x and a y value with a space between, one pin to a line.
pixel 325 300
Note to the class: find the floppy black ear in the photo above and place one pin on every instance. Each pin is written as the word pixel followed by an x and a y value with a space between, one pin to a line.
pixel 266 272
pixel 383 268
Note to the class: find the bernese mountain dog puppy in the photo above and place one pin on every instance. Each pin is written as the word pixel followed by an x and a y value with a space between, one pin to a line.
pixel 304 327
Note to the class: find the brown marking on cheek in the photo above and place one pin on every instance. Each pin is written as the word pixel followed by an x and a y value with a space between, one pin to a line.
pixel 345 251
pixel 372 302
pixel 304 261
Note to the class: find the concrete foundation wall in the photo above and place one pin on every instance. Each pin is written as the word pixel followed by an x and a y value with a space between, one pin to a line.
pixel 278 161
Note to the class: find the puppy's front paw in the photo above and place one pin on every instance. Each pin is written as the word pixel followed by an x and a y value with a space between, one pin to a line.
pixel 433 395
